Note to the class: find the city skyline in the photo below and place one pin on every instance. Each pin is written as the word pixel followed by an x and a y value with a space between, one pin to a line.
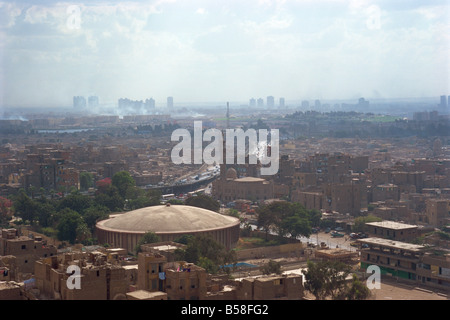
pixel 199 51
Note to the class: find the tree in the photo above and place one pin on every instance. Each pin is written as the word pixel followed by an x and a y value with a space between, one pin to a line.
pixel 326 279
pixel 5 205
pixel 296 226
pixel 271 267
pixel 203 201
pixel 138 199
pixel 265 219
pixel 122 180
pixel 148 237
pixel 204 249
pixel 70 222
pixel 208 265
pixel 86 180
pixel 24 207
pixel 83 233
pixel 45 213
pixel 285 218
pixel 76 202
pixel 360 223
pixel 315 217
pixel 357 290
pixel 184 239
pixel 109 197
pixel 94 214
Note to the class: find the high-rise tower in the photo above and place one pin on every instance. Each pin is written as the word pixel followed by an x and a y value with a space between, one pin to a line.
pixel 228 115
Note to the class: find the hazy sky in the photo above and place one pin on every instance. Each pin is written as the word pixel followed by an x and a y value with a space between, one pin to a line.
pixel 222 50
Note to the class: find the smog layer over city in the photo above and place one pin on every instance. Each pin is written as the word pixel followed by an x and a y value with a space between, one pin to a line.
pixel 225 155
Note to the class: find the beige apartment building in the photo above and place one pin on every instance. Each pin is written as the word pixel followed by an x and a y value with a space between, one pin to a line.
pixel 247 188
pixel 406 261
pixel 438 212
pixel 392 230
pixel 25 250
pixel 99 279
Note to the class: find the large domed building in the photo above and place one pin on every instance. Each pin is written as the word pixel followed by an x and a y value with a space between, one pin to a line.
pixel 169 222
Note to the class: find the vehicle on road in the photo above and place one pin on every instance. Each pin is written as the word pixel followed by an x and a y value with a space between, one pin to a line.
pixel 336 234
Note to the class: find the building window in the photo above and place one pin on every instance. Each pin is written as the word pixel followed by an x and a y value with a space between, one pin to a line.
pixel 24 247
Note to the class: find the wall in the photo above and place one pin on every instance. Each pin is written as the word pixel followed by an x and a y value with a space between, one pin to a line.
pixel 290 249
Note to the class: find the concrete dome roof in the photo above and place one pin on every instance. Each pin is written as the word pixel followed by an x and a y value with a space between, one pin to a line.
pixel 168 219
pixel 231 173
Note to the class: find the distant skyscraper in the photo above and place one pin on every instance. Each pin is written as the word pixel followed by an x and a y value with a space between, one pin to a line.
pixel 150 104
pixel 93 101
pixel 305 104
pixel 444 101
pixel 317 104
pixel 252 102
pixel 363 103
pixel 228 115
pixel 270 102
pixel 79 102
pixel 282 103
pixel 170 103
pixel 260 102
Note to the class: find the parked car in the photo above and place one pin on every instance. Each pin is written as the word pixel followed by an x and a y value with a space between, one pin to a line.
pixel 339 229
pixel 336 234
pixel 362 235
pixel 327 230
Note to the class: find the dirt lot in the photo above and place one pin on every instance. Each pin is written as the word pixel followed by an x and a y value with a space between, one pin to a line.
pixel 390 290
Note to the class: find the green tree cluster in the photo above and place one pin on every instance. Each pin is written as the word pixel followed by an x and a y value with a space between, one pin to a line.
pixel 205 252
pixel 287 218
pixel 271 267
pixel 360 223
pixel 327 279
pixel 148 237
pixel 73 217
pixel 203 201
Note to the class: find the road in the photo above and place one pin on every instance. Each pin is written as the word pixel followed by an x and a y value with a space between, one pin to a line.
pixel 317 238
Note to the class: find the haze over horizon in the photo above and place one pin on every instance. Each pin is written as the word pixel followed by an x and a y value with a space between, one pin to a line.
pixel 201 51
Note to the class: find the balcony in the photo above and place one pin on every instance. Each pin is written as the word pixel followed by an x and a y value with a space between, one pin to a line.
pixel 391 255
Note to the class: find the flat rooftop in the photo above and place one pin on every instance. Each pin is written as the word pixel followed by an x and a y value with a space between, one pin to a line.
pixel 392 225
pixel 146 295
pixel 392 244
pixel 165 247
